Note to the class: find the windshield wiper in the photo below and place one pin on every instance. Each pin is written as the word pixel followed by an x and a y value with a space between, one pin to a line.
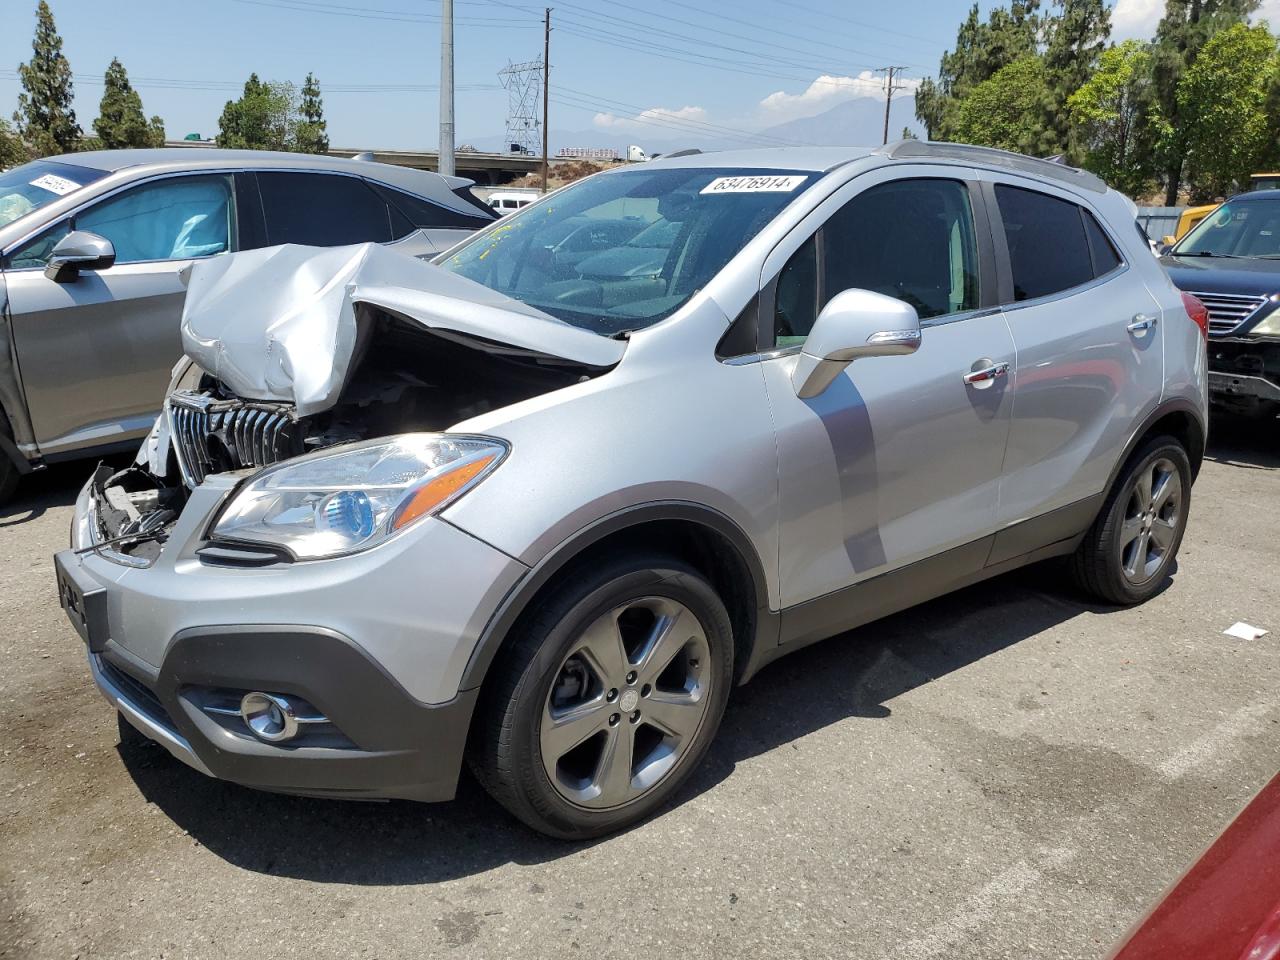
pixel 1210 253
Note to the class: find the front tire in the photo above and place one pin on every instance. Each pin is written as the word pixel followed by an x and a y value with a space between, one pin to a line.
pixel 608 698
pixel 1128 551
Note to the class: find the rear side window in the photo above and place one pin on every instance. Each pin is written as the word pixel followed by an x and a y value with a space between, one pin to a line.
pixel 1049 250
pixel 322 210
pixel 1105 258
pixel 415 212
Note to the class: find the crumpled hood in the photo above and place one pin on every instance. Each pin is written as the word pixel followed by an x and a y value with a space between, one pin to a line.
pixel 280 323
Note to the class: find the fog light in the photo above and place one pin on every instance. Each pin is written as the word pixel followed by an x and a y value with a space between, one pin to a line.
pixel 270 717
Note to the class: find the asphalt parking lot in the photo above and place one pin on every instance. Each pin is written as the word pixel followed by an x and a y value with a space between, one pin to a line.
pixel 1007 772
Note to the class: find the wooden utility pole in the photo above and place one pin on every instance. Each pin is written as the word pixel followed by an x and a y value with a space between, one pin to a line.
pixel 546 91
pixel 889 90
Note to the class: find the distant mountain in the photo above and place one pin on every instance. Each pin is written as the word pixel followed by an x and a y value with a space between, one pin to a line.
pixel 857 122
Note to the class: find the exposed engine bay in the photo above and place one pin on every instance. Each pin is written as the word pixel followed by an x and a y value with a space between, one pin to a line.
pixel 403 378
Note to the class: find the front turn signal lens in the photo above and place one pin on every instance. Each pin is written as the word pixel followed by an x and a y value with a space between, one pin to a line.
pixel 439 490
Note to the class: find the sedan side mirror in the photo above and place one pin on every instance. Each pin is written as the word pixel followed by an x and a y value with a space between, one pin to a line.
pixel 79 250
pixel 855 323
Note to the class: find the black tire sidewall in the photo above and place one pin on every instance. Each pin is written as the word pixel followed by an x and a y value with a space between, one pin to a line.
pixel 581 607
pixel 1159 448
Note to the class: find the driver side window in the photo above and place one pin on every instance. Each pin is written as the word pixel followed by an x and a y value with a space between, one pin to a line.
pixel 179 218
pixel 908 239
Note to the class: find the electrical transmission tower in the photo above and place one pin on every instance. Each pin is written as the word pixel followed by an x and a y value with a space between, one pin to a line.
pixel 523 83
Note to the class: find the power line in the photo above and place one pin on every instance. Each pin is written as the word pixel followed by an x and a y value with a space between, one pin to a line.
pixel 619 37
pixel 174 83
pixel 361 13
pixel 857 23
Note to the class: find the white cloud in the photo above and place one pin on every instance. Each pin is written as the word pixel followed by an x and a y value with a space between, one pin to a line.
pixel 1137 19
pixel 646 119
pixel 827 91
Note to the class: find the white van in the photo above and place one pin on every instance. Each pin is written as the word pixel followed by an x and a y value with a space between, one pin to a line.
pixel 504 203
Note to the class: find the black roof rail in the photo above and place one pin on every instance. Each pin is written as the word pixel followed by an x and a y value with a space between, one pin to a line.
pixel 1017 162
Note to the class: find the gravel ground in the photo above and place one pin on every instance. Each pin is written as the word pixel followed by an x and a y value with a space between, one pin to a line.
pixel 1006 772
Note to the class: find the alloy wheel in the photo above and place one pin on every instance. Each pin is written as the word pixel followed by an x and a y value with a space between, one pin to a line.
pixel 1151 521
pixel 626 703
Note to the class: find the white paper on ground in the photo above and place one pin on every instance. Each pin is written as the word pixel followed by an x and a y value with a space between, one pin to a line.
pixel 1244 631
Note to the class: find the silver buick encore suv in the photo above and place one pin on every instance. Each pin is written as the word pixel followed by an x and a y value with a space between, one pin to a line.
pixel 542 513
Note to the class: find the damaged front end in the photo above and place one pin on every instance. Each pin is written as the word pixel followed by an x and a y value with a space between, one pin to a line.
pixel 294 351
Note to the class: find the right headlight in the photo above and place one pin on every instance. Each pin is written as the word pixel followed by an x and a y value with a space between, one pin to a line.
pixel 349 498
pixel 1270 325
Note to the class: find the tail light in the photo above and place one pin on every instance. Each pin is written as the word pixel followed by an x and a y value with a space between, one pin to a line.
pixel 1198 312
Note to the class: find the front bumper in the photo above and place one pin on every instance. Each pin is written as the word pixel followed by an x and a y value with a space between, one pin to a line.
pixel 1244 372
pixel 377 643
pixel 388 745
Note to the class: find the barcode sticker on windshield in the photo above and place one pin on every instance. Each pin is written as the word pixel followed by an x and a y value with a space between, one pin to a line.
pixel 770 184
pixel 59 185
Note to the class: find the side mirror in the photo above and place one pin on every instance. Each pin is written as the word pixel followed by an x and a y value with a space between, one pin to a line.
pixel 855 323
pixel 79 250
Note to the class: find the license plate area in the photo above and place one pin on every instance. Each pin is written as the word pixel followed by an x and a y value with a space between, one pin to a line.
pixel 83 600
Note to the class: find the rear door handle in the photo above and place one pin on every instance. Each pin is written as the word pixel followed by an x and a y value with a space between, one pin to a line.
pixel 1142 323
pixel 983 377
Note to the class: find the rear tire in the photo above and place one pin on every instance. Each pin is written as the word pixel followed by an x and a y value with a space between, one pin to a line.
pixel 8 470
pixel 1128 551
pixel 608 697
pixel 8 479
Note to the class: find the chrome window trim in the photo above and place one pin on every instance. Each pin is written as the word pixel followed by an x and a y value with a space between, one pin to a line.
pixel 1016 305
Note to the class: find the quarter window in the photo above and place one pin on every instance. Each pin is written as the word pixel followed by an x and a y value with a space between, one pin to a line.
pixel 322 210
pixel 1050 247
pixel 909 239
pixel 409 213
pixel 1105 258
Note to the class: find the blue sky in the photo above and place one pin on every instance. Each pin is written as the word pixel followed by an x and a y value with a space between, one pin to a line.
pixel 619 67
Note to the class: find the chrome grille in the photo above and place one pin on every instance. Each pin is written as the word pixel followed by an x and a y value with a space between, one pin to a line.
pixel 1227 310
pixel 211 435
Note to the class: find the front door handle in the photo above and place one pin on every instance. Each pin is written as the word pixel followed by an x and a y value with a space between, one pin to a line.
pixel 1142 323
pixel 983 377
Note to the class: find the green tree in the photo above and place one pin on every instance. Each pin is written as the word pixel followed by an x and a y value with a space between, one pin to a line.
pixel 1074 40
pixel 310 135
pixel 1187 25
pixel 1222 101
pixel 1007 111
pixel 121 122
pixel 1115 119
pixel 12 150
pixel 982 49
pixel 262 119
pixel 45 117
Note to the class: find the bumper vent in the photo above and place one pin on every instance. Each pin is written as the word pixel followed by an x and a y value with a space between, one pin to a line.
pixel 213 436
pixel 1227 311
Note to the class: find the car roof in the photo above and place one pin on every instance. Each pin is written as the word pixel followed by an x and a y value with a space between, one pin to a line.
pixel 810 159
pixel 1256 195
pixel 422 182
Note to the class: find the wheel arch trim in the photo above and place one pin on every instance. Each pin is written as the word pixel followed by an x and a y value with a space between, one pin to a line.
pixel 495 632
pixel 1171 406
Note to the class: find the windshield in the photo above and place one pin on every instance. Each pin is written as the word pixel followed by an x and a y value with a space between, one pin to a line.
pixel 32 185
pixel 623 251
pixel 1238 228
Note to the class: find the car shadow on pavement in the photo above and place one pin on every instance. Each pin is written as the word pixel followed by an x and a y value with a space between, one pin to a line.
pixel 855 675
pixel 56 486
pixel 1248 442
